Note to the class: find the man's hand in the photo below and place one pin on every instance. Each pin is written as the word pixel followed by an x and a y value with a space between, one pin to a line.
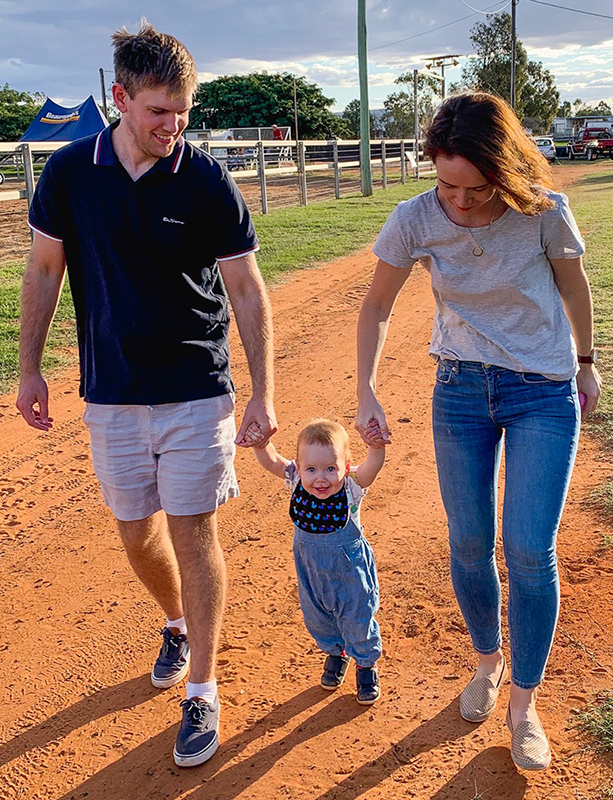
pixel 33 392
pixel 258 425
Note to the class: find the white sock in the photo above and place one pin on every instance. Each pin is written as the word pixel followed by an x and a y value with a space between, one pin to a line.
pixel 205 691
pixel 177 623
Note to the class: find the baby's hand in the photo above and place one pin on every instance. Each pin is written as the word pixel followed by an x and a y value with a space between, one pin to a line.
pixel 254 434
pixel 374 436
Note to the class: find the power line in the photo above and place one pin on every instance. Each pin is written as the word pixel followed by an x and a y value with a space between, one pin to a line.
pixel 432 30
pixel 481 11
pixel 576 10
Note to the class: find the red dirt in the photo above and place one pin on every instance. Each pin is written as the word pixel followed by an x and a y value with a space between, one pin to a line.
pixel 79 717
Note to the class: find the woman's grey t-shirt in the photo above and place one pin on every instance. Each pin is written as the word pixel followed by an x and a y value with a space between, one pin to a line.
pixel 501 308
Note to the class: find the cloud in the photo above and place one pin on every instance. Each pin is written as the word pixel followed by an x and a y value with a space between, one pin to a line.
pixel 58 48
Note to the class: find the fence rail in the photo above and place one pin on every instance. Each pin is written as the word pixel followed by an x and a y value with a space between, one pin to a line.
pixel 269 173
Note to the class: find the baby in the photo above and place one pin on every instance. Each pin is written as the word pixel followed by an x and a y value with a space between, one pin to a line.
pixel 337 578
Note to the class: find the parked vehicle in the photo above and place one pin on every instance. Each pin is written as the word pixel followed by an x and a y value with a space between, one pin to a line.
pixel 592 142
pixel 546 146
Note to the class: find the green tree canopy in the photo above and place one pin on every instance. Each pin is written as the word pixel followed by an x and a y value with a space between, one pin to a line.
pixel 399 115
pixel 17 110
pixel 601 109
pixel 536 95
pixel 261 99
pixel 351 118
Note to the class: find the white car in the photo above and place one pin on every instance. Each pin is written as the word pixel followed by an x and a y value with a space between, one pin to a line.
pixel 547 147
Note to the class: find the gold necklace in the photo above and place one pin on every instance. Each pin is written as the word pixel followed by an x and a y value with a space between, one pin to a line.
pixel 478 249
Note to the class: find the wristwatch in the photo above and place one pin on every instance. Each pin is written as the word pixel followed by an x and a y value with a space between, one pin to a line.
pixel 591 358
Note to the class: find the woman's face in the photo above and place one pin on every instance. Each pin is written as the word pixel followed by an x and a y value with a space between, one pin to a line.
pixel 462 185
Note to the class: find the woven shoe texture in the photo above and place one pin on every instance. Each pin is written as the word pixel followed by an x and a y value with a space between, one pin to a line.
pixel 529 745
pixel 478 700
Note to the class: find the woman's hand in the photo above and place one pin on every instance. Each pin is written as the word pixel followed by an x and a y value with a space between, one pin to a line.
pixel 589 383
pixel 371 424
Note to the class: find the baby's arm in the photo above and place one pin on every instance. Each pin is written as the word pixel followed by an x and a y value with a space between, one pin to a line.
pixel 271 460
pixel 368 471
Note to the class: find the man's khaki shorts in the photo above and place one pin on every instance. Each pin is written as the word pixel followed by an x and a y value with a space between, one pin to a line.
pixel 178 457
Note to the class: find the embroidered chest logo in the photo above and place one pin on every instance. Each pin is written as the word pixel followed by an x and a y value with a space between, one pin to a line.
pixel 173 221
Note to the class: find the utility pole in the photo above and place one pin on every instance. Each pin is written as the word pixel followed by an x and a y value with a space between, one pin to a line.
pixel 416 122
pixel 103 91
pixel 365 171
pixel 442 62
pixel 513 48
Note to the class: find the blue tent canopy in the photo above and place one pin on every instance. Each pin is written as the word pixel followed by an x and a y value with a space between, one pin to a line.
pixel 55 123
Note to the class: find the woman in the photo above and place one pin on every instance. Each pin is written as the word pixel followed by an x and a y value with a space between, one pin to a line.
pixel 513 317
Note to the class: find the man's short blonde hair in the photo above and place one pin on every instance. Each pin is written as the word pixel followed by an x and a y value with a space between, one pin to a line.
pixel 149 59
pixel 326 433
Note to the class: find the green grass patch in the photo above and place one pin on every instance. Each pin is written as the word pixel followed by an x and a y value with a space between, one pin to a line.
pixel 302 236
pixel 598 722
pixel 291 238
pixel 62 339
pixel 592 202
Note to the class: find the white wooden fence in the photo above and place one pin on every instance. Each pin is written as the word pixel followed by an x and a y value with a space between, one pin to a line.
pixel 261 162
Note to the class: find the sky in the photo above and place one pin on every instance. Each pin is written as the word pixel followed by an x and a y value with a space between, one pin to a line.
pixel 58 47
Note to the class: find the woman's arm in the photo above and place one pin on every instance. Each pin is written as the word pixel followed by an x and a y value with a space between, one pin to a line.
pixel 369 469
pixel 372 331
pixel 271 460
pixel 574 288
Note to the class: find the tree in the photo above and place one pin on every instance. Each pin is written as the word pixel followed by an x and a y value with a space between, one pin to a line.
pixel 260 98
pixel 17 111
pixel 565 109
pixel 351 117
pixel 536 95
pixel 399 115
pixel 540 98
pixel 601 109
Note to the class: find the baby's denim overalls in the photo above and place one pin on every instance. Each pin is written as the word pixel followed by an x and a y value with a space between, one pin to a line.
pixel 339 589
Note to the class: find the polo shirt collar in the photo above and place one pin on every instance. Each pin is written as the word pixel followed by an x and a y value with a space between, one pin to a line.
pixel 104 154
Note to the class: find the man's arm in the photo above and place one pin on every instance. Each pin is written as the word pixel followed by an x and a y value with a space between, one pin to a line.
pixel 42 284
pixel 253 316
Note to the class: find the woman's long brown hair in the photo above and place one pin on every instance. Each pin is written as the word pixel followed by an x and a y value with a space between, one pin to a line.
pixel 485 131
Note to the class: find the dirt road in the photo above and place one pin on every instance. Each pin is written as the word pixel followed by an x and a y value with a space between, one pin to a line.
pixel 79 717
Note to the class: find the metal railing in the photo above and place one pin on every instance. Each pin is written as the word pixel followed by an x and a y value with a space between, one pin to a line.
pixel 270 174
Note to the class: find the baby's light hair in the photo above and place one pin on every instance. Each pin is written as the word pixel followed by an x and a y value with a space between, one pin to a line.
pixel 327 433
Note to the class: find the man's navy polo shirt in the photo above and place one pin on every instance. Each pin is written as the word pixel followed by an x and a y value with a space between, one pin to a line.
pixel 142 256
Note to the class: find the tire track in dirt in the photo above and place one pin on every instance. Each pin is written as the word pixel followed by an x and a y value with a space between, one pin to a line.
pixel 78 715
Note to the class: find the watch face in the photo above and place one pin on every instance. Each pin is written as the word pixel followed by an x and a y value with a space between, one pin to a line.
pixel 594 355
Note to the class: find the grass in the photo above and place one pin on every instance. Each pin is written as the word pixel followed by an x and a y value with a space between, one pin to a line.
pixel 63 338
pixel 291 238
pixel 592 202
pixel 598 722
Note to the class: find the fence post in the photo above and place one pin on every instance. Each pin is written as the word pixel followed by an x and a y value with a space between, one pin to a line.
pixel 302 170
pixel 383 165
pixel 206 146
pixel 337 178
pixel 28 170
pixel 262 172
pixel 403 163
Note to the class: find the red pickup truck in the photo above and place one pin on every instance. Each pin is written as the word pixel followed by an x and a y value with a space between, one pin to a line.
pixel 591 143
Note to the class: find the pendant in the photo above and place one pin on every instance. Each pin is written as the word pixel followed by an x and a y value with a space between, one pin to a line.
pixel 478 251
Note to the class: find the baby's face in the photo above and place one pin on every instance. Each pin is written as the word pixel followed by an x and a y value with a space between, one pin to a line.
pixel 322 469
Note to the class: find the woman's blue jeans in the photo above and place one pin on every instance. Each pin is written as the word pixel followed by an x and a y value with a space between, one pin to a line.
pixel 473 404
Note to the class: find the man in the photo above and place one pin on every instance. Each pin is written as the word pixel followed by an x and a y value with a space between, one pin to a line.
pixel 148 226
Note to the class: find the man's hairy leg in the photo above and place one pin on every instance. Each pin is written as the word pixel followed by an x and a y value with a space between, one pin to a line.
pixel 150 552
pixel 203 582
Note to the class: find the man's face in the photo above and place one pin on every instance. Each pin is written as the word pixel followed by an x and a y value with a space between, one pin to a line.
pixel 154 117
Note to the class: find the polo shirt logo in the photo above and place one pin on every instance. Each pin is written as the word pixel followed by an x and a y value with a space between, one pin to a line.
pixel 174 221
